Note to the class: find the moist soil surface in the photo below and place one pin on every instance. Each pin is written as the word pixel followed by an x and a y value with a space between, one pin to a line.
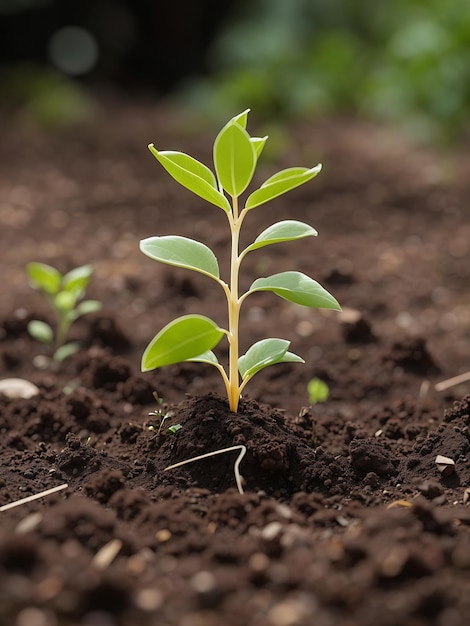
pixel 346 518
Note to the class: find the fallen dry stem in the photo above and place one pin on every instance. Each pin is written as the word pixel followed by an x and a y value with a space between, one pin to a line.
pixel 238 477
pixel 106 555
pixel 48 492
pixel 451 382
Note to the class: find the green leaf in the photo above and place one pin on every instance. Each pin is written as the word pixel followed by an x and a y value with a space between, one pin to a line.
pixel 281 183
pixel 174 429
pixel 290 357
pixel 77 279
pixel 88 306
pixel 65 300
pixel 298 288
pixel 318 391
pixel 208 357
pixel 40 331
pixel 193 175
pixel 181 252
pixel 184 338
pixel 258 143
pixel 241 118
pixel 288 230
pixel 44 277
pixel 66 351
pixel 264 353
pixel 234 158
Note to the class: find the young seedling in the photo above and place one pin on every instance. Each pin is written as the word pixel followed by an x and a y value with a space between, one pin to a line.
pixel 64 294
pixel 193 337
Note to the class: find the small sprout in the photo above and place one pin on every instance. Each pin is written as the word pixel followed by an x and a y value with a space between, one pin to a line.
pixel 64 294
pixel 159 414
pixel 318 391
pixel 193 337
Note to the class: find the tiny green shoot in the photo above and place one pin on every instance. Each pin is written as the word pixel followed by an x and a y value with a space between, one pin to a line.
pixel 193 337
pixel 318 391
pixel 171 430
pixel 64 293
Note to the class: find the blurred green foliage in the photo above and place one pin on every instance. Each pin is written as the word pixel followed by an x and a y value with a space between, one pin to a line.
pixel 45 97
pixel 406 61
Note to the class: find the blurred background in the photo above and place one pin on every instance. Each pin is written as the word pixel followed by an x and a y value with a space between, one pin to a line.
pixel 405 62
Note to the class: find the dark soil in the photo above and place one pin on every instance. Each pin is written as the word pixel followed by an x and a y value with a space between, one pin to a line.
pixel 346 519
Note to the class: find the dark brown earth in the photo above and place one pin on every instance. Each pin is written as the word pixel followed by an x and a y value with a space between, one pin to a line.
pixel 346 519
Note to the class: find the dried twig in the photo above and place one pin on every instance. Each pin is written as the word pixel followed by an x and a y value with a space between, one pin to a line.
pixel 48 492
pixel 106 555
pixel 451 382
pixel 236 470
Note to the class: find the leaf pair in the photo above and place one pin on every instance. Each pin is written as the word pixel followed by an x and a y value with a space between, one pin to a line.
pixel 194 255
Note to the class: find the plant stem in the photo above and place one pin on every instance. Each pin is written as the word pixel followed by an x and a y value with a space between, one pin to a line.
pixel 234 310
pixel 63 327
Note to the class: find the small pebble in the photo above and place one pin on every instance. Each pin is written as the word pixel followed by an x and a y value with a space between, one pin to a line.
pixel 18 388
pixel 445 465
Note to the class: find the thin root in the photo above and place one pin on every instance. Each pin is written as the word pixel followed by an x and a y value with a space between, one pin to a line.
pixel 238 477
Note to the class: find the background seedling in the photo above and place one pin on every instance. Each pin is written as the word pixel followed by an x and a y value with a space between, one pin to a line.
pixel 64 294
pixel 193 337
pixel 318 391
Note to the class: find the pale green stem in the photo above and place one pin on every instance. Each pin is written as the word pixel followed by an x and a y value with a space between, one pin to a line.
pixel 63 324
pixel 224 377
pixel 234 308
pixel 63 328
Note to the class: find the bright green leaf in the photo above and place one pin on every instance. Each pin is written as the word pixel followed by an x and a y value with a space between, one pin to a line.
pixel 66 351
pixel 234 158
pixel 77 279
pixel 184 338
pixel 288 230
pixel 290 357
pixel 208 357
pixel 318 391
pixel 193 175
pixel 264 353
pixel 40 331
pixel 281 183
pixel 88 306
pixel 241 119
pixel 174 429
pixel 187 163
pixel 44 277
pixel 65 300
pixel 258 143
pixel 298 288
pixel 181 252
